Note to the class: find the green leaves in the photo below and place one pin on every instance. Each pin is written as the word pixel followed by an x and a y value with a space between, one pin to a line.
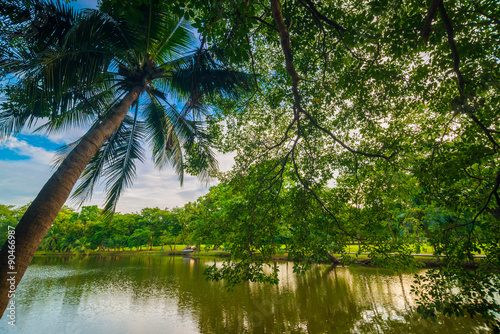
pixel 366 82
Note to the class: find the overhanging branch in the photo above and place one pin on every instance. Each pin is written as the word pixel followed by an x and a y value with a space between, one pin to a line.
pixel 287 51
pixel 431 13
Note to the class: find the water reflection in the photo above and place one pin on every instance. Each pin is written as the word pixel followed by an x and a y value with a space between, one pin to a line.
pixel 162 294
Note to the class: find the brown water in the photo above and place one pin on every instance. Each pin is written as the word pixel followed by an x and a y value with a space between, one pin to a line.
pixel 162 294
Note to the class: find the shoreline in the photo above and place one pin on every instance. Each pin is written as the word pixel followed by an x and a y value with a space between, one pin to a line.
pixel 427 260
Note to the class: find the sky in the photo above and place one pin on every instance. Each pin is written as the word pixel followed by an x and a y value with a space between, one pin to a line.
pixel 25 166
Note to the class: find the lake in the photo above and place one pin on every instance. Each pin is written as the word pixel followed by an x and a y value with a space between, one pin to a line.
pixel 164 294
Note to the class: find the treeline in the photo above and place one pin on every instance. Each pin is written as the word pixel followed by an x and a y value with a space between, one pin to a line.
pixel 88 230
pixel 256 225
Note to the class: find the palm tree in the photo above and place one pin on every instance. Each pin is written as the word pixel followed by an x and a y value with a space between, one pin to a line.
pixel 50 241
pixel 82 247
pixel 121 71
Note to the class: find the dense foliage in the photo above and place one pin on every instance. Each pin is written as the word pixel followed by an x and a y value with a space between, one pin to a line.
pixel 380 120
pixel 88 230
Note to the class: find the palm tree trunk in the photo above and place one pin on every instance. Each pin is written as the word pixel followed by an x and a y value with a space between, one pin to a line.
pixel 42 212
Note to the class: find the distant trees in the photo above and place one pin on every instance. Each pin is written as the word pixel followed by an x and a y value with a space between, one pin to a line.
pixel 9 216
pixel 86 230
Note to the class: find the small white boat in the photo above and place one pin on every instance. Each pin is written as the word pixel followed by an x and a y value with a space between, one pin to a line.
pixel 189 249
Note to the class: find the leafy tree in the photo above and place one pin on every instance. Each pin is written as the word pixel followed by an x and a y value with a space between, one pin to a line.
pixel 9 216
pixel 365 107
pixel 173 229
pixel 65 230
pixel 155 220
pixel 50 241
pixel 82 247
pixel 139 238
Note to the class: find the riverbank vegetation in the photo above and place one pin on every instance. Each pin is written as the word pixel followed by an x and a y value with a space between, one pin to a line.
pixel 87 231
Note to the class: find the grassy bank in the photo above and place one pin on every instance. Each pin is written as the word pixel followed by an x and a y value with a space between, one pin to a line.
pixel 425 257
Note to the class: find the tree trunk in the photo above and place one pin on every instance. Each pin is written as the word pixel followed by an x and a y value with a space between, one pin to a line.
pixel 335 260
pixel 40 215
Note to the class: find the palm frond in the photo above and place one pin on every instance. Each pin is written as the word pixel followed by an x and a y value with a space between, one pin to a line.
pixel 115 163
pixel 53 126
pixel 171 133
pixel 89 107
pixel 92 173
pixel 151 28
pixel 200 158
pixel 12 121
pixel 46 85
pixel 63 152
pixel 112 29
pixel 91 48
pixel 19 111
pixel 162 136
pixel 121 171
pixel 40 23
pixel 61 73
pixel 200 75
pixel 13 16
pixel 172 38
pixel 14 12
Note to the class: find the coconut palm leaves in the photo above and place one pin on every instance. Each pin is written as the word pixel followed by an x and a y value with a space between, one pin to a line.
pixel 67 73
pixel 76 74
pixel 201 74
pixel 169 133
pixel 38 23
pixel 115 161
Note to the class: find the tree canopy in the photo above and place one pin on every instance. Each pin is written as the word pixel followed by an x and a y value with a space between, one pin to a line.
pixel 380 121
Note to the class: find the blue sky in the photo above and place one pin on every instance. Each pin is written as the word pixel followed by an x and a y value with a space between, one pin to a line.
pixel 25 166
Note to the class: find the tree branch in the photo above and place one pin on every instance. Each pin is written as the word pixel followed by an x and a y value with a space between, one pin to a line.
pixel 312 8
pixel 431 13
pixel 264 22
pixel 453 47
pixel 484 14
pixel 456 68
pixel 287 51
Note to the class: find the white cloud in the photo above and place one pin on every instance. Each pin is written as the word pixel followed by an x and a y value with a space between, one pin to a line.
pixel 226 161
pixel 21 147
pixel 21 180
pixel 162 189
pixel 62 137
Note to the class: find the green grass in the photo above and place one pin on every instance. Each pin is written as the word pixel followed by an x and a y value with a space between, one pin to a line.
pixel 177 250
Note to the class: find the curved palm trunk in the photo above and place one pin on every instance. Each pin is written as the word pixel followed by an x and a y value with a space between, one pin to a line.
pixel 42 212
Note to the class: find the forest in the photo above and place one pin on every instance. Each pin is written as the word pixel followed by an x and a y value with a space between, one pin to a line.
pixel 368 122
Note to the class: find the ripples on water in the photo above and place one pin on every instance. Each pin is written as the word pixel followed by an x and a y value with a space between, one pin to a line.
pixel 162 294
